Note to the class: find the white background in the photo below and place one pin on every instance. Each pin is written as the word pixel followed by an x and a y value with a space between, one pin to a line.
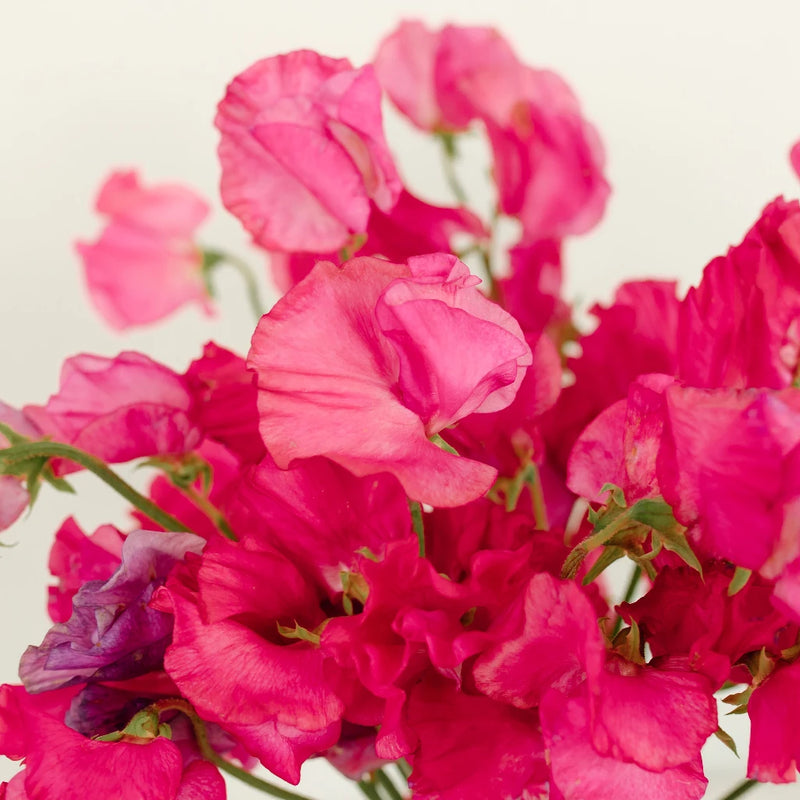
pixel 697 103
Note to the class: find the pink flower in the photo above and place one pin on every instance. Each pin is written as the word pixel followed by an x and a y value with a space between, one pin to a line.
pixel 410 228
pixel 303 151
pixel 363 363
pixel 472 748
pixel 145 264
pixel 740 327
pixel 14 496
pixel 729 466
pixel 794 157
pixel 119 408
pixel 229 659
pixel 548 159
pixel 61 764
pixel 76 558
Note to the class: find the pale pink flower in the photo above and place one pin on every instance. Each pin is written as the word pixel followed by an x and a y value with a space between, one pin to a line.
pixel 146 263
pixel 303 151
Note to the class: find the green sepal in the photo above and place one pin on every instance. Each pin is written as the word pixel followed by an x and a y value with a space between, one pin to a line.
pixel 727 740
pixel 443 445
pixel 183 471
pixel 617 495
pixel 367 553
pixel 609 555
pixel 114 736
pixel 143 725
pixel 739 580
pixel 628 643
pixel 298 632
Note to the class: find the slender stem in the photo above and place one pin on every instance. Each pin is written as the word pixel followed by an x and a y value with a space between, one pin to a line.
pixel 494 287
pixel 211 511
pixel 404 767
pixel 214 257
pixel 418 525
pixel 744 786
pixel 209 754
pixel 22 452
pixel 534 482
pixel 449 164
pixel 633 581
pixel 369 790
pixel 387 784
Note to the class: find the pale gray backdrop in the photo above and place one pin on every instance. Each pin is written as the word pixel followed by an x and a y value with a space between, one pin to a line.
pixel 698 104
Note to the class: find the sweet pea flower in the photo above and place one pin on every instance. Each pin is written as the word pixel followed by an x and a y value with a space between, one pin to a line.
pixel 14 497
pixel 303 151
pixel 383 344
pixel 145 264
pixel 63 764
pixel 119 408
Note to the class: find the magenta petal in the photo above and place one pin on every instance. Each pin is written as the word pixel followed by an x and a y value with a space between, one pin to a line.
pixel 580 772
pixel 201 780
pixel 550 637
pixel 775 736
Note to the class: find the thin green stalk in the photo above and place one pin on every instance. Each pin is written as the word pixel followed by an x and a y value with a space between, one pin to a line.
pixel 494 287
pixel 369 790
pixel 744 786
pixel 213 257
pixel 211 511
pixel 534 482
pixel 630 589
pixel 418 525
pixel 404 767
pixel 449 165
pixel 384 780
pixel 22 452
pixel 209 754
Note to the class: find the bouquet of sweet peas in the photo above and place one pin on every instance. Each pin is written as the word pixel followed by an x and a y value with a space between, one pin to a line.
pixel 381 538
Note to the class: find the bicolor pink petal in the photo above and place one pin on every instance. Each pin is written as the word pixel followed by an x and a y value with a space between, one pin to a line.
pixel 404 66
pixel 351 343
pixel 146 263
pixel 119 408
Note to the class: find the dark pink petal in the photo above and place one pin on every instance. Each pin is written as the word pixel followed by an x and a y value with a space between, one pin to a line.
pixel 658 719
pixel 76 558
pixel 234 676
pixel 224 401
pixel 775 737
pixel 292 511
pixel 201 780
pixel 472 748
pixel 548 638
pixel 579 771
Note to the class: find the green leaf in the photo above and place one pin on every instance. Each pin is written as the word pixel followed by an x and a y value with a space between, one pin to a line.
pixel 739 580
pixel 727 740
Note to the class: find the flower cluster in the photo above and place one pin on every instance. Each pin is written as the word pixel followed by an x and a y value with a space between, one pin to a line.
pixel 380 537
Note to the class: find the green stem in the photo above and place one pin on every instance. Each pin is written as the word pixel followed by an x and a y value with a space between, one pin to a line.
pixel 387 784
pixel 213 257
pixel 22 452
pixel 629 592
pixel 743 787
pixel 369 790
pixel 449 164
pixel 418 525
pixel 209 754
pixel 494 287
pixel 534 481
pixel 404 767
pixel 211 511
